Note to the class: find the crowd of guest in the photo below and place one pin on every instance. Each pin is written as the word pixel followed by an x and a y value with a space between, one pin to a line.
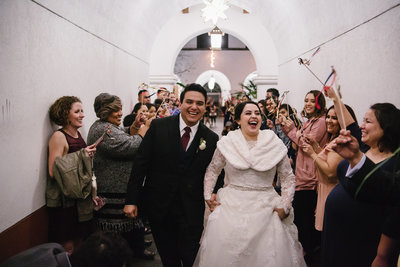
pixel 342 218
pixel 334 228
pixel 112 150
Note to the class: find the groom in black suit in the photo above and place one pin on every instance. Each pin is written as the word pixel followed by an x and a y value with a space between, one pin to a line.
pixel 167 178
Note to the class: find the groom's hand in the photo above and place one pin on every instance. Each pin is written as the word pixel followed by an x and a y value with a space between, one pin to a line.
pixel 212 202
pixel 130 211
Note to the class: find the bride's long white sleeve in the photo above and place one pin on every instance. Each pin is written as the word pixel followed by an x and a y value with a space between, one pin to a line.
pixel 213 170
pixel 288 184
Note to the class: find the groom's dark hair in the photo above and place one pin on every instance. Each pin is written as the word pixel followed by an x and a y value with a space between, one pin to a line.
pixel 194 87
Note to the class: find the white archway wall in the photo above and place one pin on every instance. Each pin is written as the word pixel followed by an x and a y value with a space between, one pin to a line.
pixel 367 60
pixel 219 77
pixel 297 26
pixel 235 64
pixel 181 28
pixel 250 77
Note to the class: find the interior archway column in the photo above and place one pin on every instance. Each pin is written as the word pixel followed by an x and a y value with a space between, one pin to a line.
pixel 263 83
pixel 166 81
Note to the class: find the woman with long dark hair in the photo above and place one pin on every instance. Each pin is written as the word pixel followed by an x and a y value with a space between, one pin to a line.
pixel 305 198
pixel 326 159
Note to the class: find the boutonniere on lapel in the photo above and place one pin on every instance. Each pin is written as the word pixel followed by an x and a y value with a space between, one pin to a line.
pixel 202 144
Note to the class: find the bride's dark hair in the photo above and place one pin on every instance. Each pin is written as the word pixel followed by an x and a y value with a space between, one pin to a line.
pixel 238 112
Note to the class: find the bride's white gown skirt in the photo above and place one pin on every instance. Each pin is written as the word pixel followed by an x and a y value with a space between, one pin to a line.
pixel 244 231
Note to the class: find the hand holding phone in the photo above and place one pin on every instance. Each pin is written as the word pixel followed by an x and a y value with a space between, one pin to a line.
pixel 143 117
pixel 100 139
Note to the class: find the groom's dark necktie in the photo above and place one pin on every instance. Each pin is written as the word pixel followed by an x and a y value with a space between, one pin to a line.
pixel 185 138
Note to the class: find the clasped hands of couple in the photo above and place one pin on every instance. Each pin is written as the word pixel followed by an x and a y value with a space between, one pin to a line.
pixel 131 210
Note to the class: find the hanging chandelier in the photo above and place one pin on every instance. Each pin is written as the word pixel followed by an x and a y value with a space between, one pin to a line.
pixel 214 10
pixel 216 38
pixel 211 83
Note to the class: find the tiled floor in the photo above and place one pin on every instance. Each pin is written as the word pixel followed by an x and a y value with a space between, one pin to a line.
pixel 217 128
pixel 148 263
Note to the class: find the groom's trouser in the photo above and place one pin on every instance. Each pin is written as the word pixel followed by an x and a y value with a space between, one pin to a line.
pixel 176 241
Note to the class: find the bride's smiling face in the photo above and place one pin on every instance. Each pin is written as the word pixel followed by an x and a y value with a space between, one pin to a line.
pixel 250 120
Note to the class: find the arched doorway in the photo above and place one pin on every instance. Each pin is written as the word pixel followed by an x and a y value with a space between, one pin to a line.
pixel 221 81
pixel 164 54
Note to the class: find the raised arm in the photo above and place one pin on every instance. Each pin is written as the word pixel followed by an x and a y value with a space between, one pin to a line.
pixel 341 111
pixel 118 143
pixel 327 167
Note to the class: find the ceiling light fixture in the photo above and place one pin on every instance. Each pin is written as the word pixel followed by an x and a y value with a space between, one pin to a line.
pixel 214 9
pixel 216 38
pixel 211 83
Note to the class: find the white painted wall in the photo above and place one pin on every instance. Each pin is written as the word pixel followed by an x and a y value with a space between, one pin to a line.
pixel 108 45
pixel 367 60
pixel 42 58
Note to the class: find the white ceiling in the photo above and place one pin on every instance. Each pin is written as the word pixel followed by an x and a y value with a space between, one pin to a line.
pixel 295 26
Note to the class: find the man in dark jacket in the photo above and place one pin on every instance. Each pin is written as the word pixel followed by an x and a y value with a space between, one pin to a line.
pixel 168 175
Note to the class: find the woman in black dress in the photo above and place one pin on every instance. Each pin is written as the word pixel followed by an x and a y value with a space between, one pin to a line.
pixel 353 230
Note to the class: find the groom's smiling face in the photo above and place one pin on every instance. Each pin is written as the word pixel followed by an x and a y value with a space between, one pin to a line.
pixel 193 107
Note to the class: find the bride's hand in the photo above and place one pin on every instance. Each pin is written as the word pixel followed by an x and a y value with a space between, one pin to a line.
pixel 212 202
pixel 281 213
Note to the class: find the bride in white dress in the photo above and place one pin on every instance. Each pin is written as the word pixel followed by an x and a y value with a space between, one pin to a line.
pixel 252 225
